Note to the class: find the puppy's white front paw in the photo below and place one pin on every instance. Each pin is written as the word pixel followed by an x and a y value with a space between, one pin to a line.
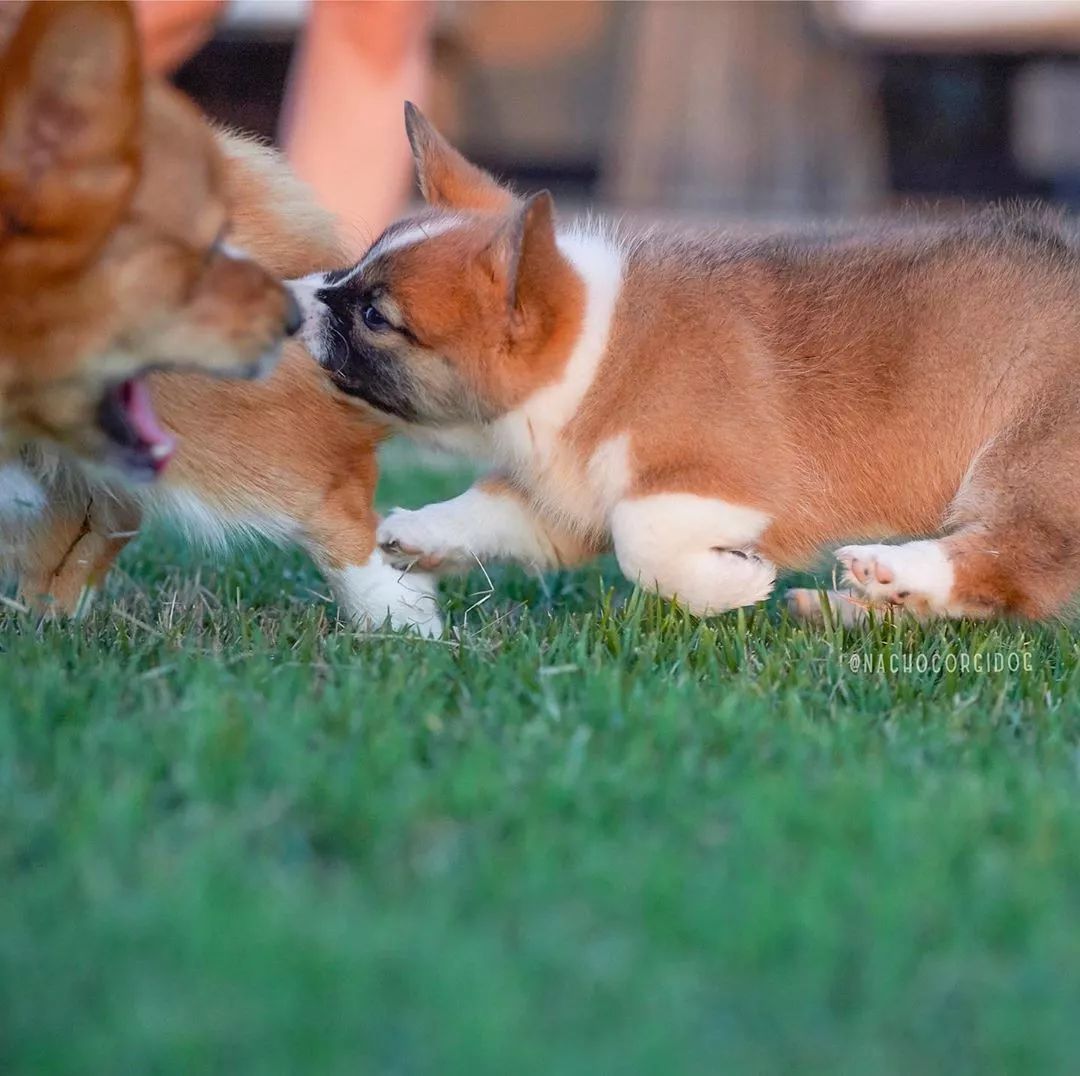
pixel 429 538
pixel 915 574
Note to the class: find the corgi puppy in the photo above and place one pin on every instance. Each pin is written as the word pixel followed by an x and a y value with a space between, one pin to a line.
pixel 285 458
pixel 112 214
pixel 713 408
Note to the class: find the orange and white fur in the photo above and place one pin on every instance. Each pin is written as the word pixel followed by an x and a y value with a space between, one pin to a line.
pixel 284 458
pixel 714 409
pixel 111 211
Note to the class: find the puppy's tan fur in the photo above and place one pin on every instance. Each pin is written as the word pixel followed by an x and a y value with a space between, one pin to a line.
pixel 731 406
pixel 111 200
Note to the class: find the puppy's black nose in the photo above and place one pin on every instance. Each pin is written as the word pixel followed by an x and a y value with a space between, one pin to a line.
pixel 331 297
pixel 294 317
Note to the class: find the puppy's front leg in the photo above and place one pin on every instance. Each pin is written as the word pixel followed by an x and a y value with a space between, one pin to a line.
pixel 491 521
pixel 696 549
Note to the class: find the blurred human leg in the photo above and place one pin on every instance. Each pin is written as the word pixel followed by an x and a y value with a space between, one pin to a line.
pixel 343 128
pixel 173 30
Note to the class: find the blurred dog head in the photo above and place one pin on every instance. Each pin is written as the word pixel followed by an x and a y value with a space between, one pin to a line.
pixel 113 221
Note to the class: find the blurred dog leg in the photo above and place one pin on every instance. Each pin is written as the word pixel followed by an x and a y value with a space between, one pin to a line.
pixel 72 549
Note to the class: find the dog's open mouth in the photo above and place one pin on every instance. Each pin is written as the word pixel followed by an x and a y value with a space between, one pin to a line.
pixel 140 445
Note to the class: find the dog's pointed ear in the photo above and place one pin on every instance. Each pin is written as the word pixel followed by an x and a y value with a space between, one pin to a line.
pixel 70 119
pixel 446 179
pixel 524 257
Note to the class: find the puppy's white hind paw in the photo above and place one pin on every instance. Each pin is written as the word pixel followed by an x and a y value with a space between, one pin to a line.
pixel 917 575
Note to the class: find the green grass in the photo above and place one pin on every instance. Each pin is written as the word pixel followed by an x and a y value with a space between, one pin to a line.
pixel 594 837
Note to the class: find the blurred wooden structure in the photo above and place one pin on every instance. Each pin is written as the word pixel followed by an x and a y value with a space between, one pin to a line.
pixel 744 107
pixel 740 107
pixel 529 85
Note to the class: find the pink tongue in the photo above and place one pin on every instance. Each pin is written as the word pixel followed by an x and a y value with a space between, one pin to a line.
pixel 140 412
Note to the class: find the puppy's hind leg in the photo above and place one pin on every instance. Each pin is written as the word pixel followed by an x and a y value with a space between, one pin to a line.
pixel 1022 567
pixel 696 549
pixel 1014 549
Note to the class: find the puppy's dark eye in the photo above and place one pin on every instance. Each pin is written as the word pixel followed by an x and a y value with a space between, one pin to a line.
pixel 373 319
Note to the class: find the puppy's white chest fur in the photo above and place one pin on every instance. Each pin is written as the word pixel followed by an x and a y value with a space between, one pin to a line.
pixel 530 440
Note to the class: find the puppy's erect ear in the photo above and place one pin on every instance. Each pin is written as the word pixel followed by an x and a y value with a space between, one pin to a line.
pixel 70 112
pixel 525 257
pixel 446 179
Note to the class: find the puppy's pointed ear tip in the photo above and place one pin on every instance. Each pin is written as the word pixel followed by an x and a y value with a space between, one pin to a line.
pixel 417 125
pixel 541 204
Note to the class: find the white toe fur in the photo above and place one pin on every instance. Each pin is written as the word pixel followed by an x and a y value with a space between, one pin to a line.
pixel 714 581
pixel 915 573
pixel 372 593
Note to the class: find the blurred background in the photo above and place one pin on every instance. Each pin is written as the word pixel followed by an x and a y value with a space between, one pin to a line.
pixel 752 110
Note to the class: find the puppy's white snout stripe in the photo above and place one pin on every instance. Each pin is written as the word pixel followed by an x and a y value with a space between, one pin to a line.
pixel 305 291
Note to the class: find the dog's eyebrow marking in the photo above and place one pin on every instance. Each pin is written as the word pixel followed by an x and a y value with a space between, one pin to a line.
pixel 407 235
pixel 396 236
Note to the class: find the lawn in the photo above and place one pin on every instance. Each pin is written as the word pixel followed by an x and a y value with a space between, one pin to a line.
pixel 595 836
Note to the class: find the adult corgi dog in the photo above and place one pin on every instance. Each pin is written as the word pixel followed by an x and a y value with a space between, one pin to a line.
pixel 112 209
pixel 714 408
pixel 284 458
pixel 116 204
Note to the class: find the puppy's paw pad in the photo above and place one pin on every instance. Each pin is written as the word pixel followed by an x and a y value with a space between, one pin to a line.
pixel 804 604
